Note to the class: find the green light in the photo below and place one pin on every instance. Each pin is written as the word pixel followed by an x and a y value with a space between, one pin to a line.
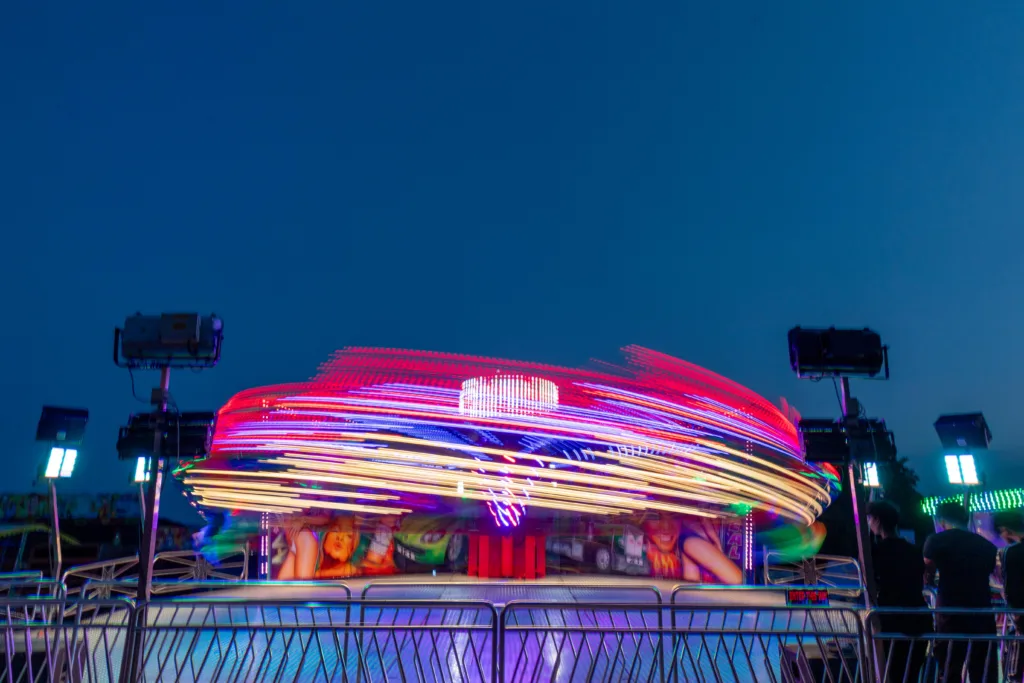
pixel 988 501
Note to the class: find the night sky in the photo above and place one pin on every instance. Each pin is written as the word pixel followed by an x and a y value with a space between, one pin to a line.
pixel 547 181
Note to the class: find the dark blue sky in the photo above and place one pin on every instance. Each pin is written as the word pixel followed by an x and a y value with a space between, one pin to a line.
pixel 547 181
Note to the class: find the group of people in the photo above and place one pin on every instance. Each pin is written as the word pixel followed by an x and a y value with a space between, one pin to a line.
pixel 964 562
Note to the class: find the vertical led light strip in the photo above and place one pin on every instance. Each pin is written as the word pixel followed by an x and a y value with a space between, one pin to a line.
pixel 264 546
pixel 748 543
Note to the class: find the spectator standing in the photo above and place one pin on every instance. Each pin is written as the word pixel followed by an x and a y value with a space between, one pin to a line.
pixel 1010 526
pixel 965 563
pixel 899 578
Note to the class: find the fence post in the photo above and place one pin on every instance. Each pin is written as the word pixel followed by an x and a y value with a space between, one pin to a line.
pixel 131 661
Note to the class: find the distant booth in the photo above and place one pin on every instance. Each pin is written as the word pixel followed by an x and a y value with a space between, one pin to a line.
pixel 402 462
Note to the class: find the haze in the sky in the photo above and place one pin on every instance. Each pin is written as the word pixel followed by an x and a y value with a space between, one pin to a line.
pixel 540 180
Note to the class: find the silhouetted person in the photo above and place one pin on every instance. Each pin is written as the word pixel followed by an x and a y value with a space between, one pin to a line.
pixel 965 562
pixel 1010 526
pixel 899 578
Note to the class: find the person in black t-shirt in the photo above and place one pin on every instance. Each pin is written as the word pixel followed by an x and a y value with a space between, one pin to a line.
pixel 899 578
pixel 1010 525
pixel 965 562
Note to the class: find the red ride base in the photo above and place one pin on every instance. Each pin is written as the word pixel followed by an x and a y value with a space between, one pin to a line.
pixel 494 556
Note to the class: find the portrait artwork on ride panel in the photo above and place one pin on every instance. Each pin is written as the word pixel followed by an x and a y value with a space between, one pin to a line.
pixel 658 545
pixel 679 547
pixel 306 548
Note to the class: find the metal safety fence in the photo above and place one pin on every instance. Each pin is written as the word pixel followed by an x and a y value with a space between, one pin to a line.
pixel 210 640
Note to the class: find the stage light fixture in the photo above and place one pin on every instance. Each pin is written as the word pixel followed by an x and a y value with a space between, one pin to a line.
pixel 61 463
pixel 835 352
pixel 871 475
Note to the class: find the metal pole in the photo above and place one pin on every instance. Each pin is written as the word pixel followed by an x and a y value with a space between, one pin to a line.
pixel 58 555
pixel 151 517
pixel 859 512
pixel 151 504
pixel 142 502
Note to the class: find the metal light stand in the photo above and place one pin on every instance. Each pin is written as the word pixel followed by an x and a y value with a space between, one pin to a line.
pixel 151 504
pixel 58 553
pixel 859 511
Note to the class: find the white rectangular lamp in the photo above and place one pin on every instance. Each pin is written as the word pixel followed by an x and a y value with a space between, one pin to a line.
pixel 61 464
pixel 871 475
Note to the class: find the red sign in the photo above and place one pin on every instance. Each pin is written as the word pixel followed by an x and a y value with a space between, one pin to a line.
pixel 807 597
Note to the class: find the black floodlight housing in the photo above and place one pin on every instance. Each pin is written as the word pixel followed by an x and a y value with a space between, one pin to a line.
pixel 184 435
pixel 964 432
pixel 835 352
pixel 169 340
pixel 827 440
pixel 824 441
pixel 62 425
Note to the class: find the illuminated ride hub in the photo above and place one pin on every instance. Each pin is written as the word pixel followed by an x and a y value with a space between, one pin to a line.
pixel 390 461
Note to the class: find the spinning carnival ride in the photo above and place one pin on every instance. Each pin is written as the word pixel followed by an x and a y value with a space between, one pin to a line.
pixel 393 434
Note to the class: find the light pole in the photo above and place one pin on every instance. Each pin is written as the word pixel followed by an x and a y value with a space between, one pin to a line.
pixel 60 466
pixel 64 430
pixel 961 436
pixel 817 353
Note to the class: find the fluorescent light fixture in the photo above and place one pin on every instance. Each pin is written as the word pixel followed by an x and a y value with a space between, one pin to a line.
pixel 53 464
pixel 142 470
pixel 68 466
pixel 962 470
pixel 953 469
pixel 968 470
pixel 871 475
pixel 61 463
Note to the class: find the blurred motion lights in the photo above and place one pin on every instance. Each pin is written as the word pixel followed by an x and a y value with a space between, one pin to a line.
pixel 388 432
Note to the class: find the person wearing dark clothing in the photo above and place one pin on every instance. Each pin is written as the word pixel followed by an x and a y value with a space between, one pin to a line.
pixel 1010 526
pixel 899 578
pixel 965 562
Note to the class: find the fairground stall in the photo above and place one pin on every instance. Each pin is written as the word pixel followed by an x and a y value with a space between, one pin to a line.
pixel 390 462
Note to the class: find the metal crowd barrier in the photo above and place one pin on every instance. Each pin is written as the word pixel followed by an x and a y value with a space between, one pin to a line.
pixel 544 641
pixel 401 640
pixel 232 638
pixel 733 644
pixel 946 644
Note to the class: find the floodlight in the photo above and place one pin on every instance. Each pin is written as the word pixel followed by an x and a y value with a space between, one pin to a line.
pixel 61 463
pixel 962 470
pixel 969 470
pixel 871 475
pixel 183 435
pixel 68 466
pixel 142 470
pixel 169 340
pixel 837 353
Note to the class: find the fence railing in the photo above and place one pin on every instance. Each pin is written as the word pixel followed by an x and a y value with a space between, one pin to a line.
pixel 230 638
pixel 543 641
